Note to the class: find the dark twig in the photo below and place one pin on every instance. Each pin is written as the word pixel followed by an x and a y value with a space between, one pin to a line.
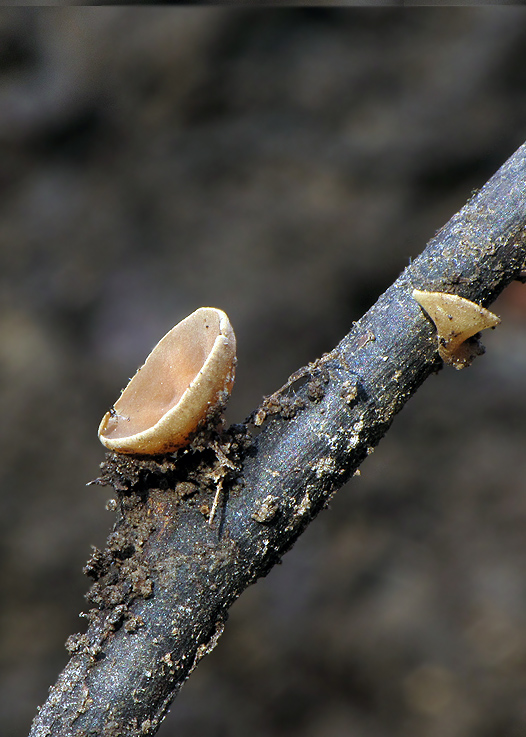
pixel 167 578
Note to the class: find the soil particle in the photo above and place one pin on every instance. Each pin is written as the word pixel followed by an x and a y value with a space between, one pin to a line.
pixel 76 643
pixel 133 623
pixel 349 392
pixel 267 510
pixel 98 564
pixel 185 489
pixel 315 390
pixel 285 406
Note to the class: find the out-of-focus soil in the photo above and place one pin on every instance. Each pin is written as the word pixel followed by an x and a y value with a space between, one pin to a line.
pixel 283 165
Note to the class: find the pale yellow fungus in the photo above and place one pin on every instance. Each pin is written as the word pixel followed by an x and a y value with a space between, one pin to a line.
pixel 186 378
pixel 457 320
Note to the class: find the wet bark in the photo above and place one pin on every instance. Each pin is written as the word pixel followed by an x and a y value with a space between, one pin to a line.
pixel 165 582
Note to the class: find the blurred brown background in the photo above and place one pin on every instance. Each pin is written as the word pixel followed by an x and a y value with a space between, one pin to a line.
pixel 283 165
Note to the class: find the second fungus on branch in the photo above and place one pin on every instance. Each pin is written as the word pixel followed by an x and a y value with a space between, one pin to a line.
pixel 457 321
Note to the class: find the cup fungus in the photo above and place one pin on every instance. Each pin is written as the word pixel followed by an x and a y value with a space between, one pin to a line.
pixel 185 380
pixel 457 321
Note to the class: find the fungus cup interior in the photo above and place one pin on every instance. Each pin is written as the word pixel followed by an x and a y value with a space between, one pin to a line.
pixel 178 362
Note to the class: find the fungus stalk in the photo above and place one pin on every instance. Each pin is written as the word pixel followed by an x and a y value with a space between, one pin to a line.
pixel 165 582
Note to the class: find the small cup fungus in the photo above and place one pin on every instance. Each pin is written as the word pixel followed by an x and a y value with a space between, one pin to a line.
pixel 457 320
pixel 186 379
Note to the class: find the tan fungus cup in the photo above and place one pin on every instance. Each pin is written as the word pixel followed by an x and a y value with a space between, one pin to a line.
pixel 456 319
pixel 183 380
